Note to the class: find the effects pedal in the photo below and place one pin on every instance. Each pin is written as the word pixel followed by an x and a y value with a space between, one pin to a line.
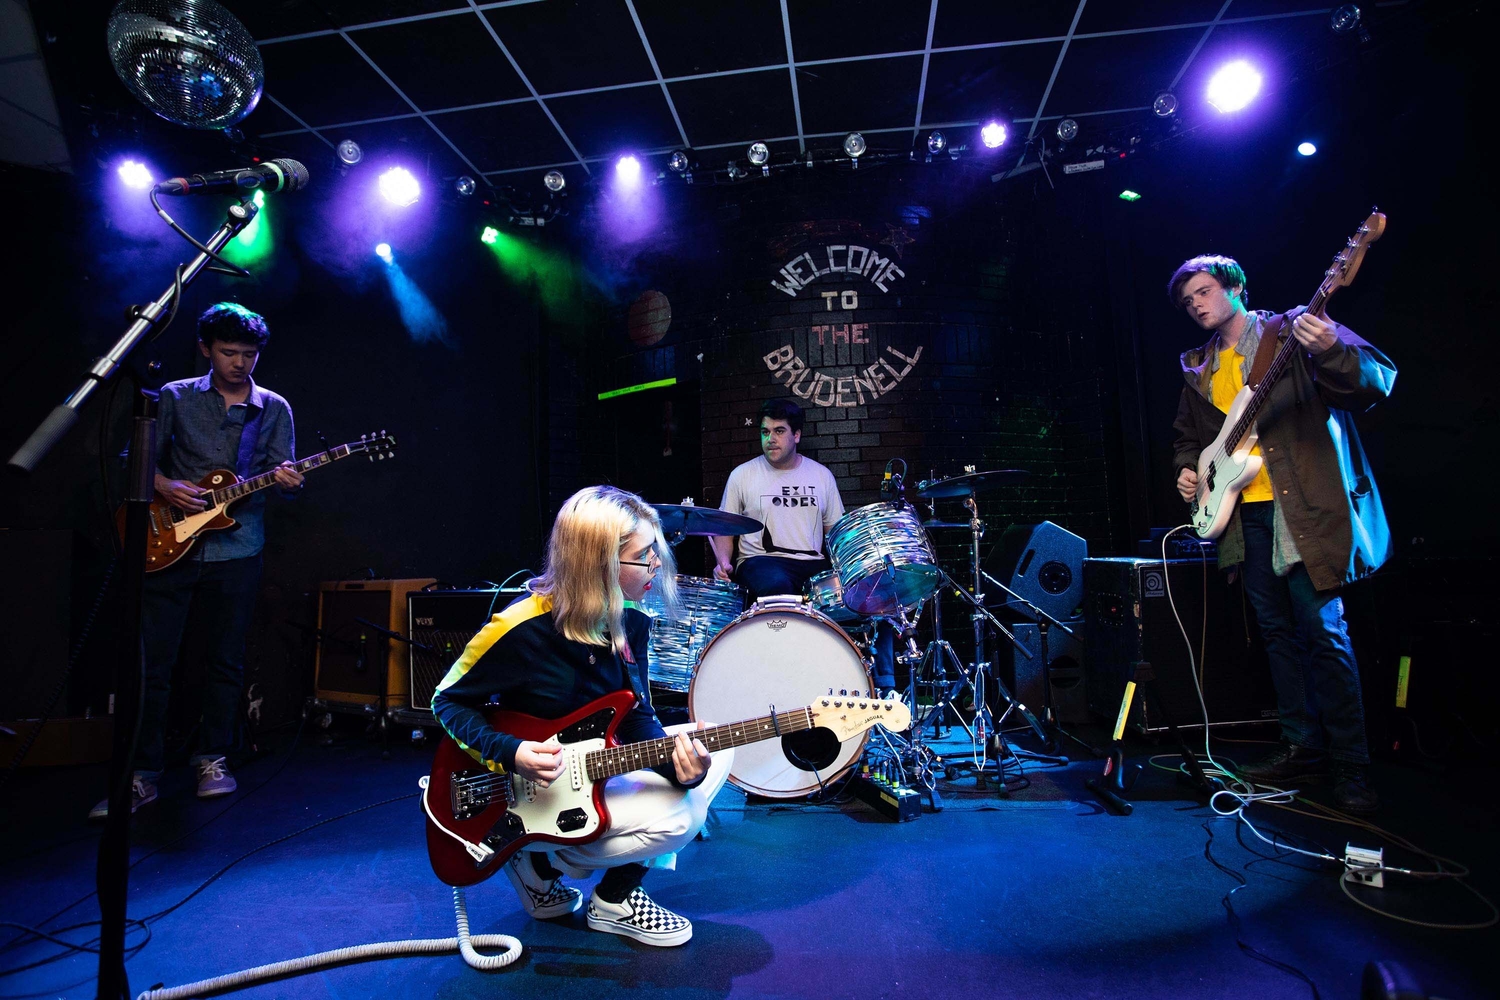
pixel 886 795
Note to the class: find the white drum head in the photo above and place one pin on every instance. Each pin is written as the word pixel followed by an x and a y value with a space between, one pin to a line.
pixel 787 655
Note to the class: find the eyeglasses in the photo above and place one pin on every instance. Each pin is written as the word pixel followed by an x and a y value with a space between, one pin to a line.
pixel 653 559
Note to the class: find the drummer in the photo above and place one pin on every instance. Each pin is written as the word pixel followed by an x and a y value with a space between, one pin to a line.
pixel 797 499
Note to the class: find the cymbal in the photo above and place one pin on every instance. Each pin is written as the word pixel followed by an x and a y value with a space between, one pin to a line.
pixel 945 524
pixel 681 519
pixel 973 482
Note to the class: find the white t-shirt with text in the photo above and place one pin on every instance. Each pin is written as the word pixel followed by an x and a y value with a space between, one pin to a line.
pixel 796 506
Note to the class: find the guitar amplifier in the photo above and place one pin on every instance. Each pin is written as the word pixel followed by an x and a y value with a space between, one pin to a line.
pixel 354 661
pixel 442 623
pixel 1128 618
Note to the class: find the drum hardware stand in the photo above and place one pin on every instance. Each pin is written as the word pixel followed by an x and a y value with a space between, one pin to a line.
pixel 1044 624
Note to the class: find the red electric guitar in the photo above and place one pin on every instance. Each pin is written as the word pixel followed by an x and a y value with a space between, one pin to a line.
pixel 476 819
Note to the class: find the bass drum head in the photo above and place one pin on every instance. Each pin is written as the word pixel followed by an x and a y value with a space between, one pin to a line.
pixel 787 655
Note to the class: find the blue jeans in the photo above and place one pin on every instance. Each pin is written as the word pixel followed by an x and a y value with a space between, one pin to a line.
pixel 1312 661
pixel 222 595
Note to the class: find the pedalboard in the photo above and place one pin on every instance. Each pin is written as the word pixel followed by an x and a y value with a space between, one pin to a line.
pixel 890 799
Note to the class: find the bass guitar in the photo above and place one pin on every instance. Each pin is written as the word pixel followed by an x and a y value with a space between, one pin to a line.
pixel 1226 466
pixel 476 819
pixel 174 531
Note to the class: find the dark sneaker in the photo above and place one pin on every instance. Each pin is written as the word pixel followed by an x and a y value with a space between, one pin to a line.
pixel 543 898
pixel 1351 789
pixel 141 792
pixel 1291 765
pixel 214 778
pixel 640 918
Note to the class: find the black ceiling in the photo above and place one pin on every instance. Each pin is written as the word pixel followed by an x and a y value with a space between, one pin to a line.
pixel 498 89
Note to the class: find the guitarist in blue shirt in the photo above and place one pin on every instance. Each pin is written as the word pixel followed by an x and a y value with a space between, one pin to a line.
pixel 1311 523
pixel 223 420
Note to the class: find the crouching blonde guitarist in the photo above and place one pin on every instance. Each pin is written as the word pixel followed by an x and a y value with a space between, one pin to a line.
pixel 568 643
pixel 1307 524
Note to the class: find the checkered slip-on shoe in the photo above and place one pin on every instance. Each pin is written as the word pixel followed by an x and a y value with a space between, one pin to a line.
pixel 542 898
pixel 640 918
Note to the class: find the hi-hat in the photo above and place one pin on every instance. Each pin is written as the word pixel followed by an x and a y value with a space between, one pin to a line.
pixel 684 519
pixel 967 485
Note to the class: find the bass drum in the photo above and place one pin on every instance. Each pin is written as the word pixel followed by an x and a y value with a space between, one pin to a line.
pixel 780 653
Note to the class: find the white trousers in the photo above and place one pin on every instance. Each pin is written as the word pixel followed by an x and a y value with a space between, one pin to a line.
pixel 650 819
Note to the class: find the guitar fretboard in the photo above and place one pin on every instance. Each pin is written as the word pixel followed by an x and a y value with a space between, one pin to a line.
pixel 245 487
pixel 611 761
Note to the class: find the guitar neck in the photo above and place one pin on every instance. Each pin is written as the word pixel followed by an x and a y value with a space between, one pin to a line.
pixel 245 487
pixel 1278 365
pixel 611 761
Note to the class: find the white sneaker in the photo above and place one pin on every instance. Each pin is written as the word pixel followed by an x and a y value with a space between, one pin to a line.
pixel 141 792
pixel 640 918
pixel 214 778
pixel 542 898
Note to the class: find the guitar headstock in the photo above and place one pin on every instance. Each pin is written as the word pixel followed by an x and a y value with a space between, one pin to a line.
pixel 850 713
pixel 1346 262
pixel 376 446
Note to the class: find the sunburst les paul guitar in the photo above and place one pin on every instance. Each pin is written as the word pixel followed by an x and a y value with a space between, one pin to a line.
pixel 1226 466
pixel 172 531
pixel 477 819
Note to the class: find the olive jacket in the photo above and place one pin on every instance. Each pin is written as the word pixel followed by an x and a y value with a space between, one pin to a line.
pixel 1324 488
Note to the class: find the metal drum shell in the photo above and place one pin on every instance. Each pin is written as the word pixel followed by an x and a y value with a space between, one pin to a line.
pixel 884 559
pixel 826 594
pixel 783 653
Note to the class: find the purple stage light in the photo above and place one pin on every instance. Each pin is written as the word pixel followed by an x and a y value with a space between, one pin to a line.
pixel 628 169
pixel 1234 86
pixel 383 251
pixel 993 135
pixel 1306 148
pixel 399 187
pixel 134 174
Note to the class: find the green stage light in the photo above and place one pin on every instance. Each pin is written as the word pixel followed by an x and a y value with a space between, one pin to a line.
pixel 1129 195
pixel 659 383
pixel 490 235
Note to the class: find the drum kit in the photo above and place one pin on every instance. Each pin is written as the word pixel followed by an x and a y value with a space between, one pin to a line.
pixel 732 661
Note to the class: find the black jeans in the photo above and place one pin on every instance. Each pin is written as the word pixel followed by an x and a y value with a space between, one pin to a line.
pixel 222 596
pixel 1312 660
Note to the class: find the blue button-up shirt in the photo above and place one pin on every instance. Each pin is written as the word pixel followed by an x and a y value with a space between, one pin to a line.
pixel 196 434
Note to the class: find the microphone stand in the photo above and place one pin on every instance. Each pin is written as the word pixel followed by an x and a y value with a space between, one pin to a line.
pixel 113 870
pixel 385 680
pixel 1044 622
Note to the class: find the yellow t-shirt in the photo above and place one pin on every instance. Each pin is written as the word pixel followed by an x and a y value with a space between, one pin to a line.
pixel 1222 388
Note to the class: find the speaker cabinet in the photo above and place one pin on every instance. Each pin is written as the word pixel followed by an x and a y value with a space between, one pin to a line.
pixel 442 623
pixel 1065 658
pixel 1044 564
pixel 1128 618
pixel 354 659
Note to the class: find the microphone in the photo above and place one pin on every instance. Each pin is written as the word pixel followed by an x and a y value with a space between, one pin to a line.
pixel 885 484
pixel 271 176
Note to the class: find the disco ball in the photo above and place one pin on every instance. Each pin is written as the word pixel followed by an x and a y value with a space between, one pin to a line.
pixel 189 61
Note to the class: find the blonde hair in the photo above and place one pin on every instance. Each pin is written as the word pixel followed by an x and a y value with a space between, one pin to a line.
pixel 582 575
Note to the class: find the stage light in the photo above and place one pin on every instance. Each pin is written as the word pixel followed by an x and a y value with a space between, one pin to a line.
pixel 679 161
pixel 349 152
pixel 134 174
pixel 1165 105
pixel 854 146
pixel 1345 19
pixel 554 180
pixel 259 198
pixel 490 235
pixel 758 153
pixel 628 169
pixel 383 251
pixel 1067 130
pixel 465 186
pixel 1129 195
pixel 936 142
pixel 1234 86
pixel 993 135
pixel 399 187
pixel 1306 148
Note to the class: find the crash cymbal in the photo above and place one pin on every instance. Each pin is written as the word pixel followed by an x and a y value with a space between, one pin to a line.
pixel 969 484
pixel 681 519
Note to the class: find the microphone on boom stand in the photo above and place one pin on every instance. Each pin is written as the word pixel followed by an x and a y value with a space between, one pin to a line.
pixel 893 486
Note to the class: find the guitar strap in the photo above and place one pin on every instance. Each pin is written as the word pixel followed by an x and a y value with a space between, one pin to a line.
pixel 1270 335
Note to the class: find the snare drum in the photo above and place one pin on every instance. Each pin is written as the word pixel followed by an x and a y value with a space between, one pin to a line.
pixel 826 594
pixel 706 606
pixel 884 558
pixel 782 653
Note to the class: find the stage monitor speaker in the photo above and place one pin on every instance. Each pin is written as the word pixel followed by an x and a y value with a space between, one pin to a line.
pixel 1043 563
pixel 442 623
pixel 1065 654
pixel 1128 619
pixel 354 660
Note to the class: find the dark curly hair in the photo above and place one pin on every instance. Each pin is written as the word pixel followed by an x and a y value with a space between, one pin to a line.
pixel 232 323
pixel 782 409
